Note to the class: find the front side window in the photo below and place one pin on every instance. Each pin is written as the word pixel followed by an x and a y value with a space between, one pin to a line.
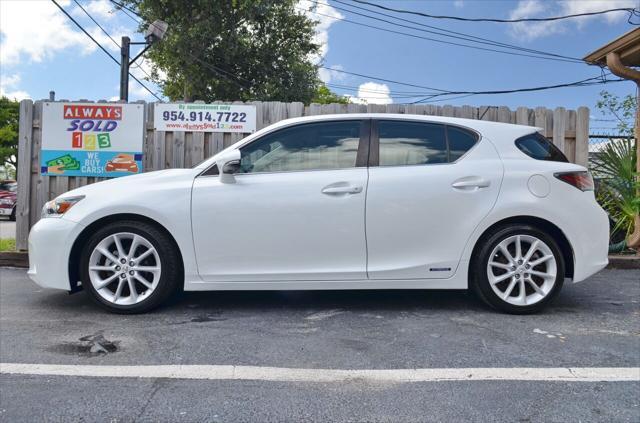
pixel 411 143
pixel 538 147
pixel 312 146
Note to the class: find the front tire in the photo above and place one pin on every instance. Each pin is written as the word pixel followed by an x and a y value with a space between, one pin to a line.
pixel 12 216
pixel 518 269
pixel 130 267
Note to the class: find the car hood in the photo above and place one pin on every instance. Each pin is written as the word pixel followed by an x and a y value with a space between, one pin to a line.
pixel 133 183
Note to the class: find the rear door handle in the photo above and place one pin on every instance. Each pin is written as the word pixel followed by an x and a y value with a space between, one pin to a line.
pixel 466 183
pixel 336 190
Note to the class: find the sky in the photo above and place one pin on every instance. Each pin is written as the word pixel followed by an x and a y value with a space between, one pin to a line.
pixel 42 50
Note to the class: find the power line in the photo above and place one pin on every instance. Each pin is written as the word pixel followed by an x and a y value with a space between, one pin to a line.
pixel 108 35
pixel 632 12
pixel 97 24
pixel 102 48
pixel 435 39
pixel 225 74
pixel 441 92
pixel 581 83
pixel 123 6
pixel 445 32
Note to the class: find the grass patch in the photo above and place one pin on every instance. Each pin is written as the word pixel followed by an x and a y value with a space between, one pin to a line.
pixel 7 244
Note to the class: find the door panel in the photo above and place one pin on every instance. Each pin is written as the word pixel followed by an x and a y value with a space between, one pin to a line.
pixel 280 226
pixel 296 209
pixel 420 217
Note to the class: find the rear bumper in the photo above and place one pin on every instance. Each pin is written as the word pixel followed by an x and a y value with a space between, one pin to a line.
pixel 50 242
pixel 590 241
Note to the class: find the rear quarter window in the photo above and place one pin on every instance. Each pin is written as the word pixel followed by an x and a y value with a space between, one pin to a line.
pixel 460 141
pixel 538 147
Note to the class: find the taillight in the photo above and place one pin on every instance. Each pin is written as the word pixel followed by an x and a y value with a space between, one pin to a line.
pixel 581 180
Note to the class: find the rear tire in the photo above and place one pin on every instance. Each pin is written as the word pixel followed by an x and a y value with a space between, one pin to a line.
pixel 517 280
pixel 130 267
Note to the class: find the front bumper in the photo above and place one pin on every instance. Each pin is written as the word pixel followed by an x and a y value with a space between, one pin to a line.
pixel 6 211
pixel 50 243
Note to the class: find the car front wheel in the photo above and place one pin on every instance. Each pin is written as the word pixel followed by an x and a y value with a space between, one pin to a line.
pixel 130 267
pixel 518 269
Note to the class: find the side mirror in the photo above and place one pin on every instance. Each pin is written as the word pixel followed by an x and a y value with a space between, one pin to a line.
pixel 228 163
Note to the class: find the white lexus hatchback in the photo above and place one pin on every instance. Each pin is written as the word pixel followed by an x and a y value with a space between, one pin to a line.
pixel 370 201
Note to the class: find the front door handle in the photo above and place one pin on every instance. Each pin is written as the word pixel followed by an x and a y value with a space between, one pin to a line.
pixel 337 190
pixel 466 183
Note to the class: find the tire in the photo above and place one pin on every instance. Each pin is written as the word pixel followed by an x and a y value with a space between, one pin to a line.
pixel 509 275
pixel 12 216
pixel 153 268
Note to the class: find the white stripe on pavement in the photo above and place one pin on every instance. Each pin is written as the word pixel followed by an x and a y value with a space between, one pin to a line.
pixel 282 374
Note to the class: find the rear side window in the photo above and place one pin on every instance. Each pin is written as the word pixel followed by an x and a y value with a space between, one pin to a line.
pixel 460 141
pixel 411 143
pixel 540 148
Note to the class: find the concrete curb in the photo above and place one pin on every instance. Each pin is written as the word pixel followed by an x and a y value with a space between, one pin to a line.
pixel 14 259
pixel 21 260
pixel 624 262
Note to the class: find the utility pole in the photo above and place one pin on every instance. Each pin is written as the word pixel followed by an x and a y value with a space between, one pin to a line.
pixel 154 33
pixel 124 68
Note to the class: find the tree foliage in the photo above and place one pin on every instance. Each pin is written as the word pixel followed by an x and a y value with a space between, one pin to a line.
pixel 9 118
pixel 324 95
pixel 233 50
pixel 622 110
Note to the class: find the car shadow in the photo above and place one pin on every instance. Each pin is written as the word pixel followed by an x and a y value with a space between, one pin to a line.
pixel 354 300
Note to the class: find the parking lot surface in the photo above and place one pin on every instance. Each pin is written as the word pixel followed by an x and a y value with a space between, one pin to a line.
pixel 592 324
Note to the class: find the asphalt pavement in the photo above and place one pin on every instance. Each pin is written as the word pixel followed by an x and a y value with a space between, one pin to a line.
pixel 592 324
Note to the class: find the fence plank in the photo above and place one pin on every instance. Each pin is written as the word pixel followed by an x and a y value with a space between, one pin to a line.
pixel 559 127
pixel 522 116
pixel 158 150
pixel 504 114
pixel 177 147
pixel 25 131
pixel 582 136
pixel 147 149
pixel 40 194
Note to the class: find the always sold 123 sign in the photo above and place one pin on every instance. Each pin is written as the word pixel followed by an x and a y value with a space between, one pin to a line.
pixel 91 139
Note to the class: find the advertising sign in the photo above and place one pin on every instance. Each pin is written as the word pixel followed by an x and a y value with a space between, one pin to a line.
pixel 91 139
pixel 204 117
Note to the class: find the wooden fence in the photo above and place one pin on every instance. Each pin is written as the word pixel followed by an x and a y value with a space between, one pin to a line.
pixel 568 129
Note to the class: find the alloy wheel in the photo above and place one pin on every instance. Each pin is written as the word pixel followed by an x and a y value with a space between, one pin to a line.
pixel 124 268
pixel 522 270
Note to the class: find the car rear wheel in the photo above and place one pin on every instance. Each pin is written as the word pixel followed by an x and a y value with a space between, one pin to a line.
pixel 130 267
pixel 518 269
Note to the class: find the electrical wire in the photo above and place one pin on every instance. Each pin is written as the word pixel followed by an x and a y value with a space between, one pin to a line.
pixel 102 48
pixel 632 12
pixel 435 39
pixel 225 74
pixel 443 31
pixel 439 92
pixel 138 66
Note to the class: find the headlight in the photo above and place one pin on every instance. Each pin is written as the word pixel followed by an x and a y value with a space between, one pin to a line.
pixel 6 201
pixel 59 206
